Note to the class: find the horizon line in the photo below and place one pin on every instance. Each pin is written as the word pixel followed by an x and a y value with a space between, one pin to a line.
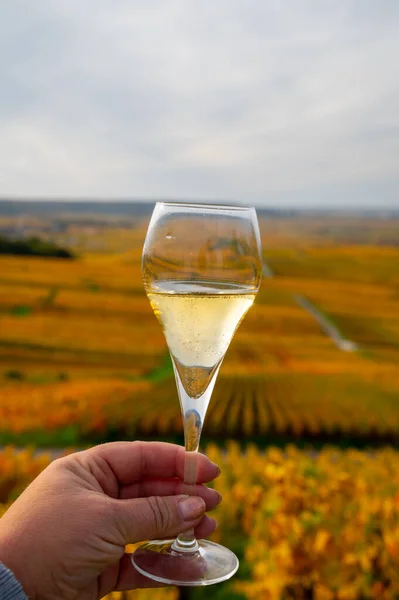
pixel 148 200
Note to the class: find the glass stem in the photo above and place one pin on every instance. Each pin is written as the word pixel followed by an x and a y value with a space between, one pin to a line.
pixel 193 419
pixel 186 542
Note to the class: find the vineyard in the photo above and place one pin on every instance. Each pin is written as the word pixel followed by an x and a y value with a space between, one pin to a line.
pixel 82 357
pixel 322 526
pixel 83 360
pixel 296 406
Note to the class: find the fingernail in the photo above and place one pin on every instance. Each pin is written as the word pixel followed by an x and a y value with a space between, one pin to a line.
pixel 215 524
pixel 191 508
pixel 219 496
pixel 218 471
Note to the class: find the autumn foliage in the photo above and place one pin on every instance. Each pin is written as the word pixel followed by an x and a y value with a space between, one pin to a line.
pixel 83 360
pixel 319 525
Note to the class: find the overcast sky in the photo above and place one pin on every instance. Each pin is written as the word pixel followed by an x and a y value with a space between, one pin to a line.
pixel 273 102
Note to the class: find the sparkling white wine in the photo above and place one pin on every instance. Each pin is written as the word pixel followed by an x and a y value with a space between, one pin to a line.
pixel 199 321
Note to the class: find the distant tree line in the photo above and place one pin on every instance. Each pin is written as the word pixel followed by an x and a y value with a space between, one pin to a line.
pixel 32 246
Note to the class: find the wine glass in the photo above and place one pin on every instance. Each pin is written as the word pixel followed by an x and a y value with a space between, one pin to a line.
pixel 202 269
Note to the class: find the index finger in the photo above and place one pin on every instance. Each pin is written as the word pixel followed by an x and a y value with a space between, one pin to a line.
pixel 133 461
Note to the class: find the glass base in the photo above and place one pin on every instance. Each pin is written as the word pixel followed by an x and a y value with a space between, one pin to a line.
pixel 212 563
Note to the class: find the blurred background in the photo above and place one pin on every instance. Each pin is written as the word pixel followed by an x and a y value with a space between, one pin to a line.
pixel 291 107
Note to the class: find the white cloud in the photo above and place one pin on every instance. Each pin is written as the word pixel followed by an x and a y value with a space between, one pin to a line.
pixel 261 101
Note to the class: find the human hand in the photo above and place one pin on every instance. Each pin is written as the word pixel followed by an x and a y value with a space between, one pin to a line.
pixel 65 536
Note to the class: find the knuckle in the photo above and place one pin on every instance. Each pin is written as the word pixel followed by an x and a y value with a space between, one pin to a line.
pixel 59 463
pixel 161 514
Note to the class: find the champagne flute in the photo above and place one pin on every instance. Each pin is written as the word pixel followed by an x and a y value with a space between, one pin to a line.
pixel 202 267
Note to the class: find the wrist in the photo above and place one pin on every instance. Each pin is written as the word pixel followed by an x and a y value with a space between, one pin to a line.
pixel 10 587
pixel 13 561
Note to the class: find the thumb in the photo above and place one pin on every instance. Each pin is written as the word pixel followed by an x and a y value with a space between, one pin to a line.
pixel 157 517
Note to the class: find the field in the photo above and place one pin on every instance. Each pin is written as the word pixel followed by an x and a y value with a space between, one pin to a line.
pixel 322 526
pixel 66 325
pixel 314 365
